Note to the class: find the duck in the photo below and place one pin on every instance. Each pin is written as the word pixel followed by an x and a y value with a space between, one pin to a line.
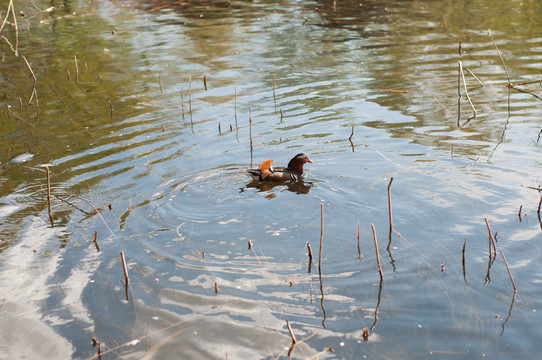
pixel 293 172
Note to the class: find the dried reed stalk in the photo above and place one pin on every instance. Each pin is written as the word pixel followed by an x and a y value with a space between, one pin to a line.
pixel 124 267
pixel 49 195
pixel 291 332
pixel 76 69
pixel 491 241
pixel 95 240
pixel 509 272
pixel 377 253
pixel 321 237
pixel 465 88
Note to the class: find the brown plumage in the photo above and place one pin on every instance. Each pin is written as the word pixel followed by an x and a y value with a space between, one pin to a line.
pixel 293 172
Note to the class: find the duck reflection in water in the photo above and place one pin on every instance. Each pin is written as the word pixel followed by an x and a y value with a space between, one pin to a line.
pixel 299 186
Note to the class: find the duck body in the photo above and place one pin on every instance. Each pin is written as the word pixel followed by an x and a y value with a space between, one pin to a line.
pixel 293 172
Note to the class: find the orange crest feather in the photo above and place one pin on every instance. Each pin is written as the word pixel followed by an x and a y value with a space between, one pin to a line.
pixel 265 168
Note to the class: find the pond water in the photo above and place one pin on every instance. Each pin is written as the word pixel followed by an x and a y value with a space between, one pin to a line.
pixel 147 154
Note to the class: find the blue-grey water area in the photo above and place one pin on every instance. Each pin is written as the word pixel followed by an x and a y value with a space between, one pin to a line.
pixel 141 111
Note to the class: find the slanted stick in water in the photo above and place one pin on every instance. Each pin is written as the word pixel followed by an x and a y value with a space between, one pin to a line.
pixel 466 91
pixel 491 240
pixel 124 267
pixel 500 56
pixel 291 332
pixel 377 253
pixel 509 272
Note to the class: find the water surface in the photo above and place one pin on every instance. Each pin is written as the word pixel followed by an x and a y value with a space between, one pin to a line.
pixel 137 135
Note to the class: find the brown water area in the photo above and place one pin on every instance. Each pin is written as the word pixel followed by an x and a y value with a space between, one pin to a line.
pixel 125 127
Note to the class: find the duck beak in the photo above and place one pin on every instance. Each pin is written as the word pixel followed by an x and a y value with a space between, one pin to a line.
pixel 310 161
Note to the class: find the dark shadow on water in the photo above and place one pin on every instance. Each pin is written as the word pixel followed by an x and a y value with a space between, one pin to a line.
pixel 298 187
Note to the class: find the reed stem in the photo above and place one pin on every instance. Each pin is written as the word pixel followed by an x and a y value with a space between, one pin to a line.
pixel 509 273
pixel 321 237
pixel 76 69
pixel 291 332
pixel 49 195
pixel 95 240
pixel 124 267
pixel 377 253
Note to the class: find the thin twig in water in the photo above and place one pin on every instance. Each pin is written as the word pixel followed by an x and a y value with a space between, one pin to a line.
pixel 31 71
pixel 182 101
pixel 529 82
pixel 377 253
pixel 34 91
pixel 49 196
pixel 124 267
pixel 465 88
pixel 309 251
pixel 12 7
pixel 310 257
pixel 250 126
pixel 97 212
pixel 321 237
pixel 190 93
pixel 274 80
pixel 160 81
pixel 492 240
pixel 458 94
pixel 505 68
pixel 463 261
pixel 291 332
pixel 509 272
pixel 95 240
pixel 389 209
pixel 476 77
pixel 500 56
pixel 76 69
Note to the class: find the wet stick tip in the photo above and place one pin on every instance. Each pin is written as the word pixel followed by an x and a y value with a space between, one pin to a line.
pixel 96 241
pixel 123 259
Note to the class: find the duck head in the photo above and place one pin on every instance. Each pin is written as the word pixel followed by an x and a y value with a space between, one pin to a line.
pixel 296 164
